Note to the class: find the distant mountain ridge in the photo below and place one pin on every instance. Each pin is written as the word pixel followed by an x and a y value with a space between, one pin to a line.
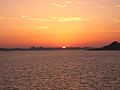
pixel 113 46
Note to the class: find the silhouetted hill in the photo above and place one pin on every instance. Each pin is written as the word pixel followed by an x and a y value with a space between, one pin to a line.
pixel 113 46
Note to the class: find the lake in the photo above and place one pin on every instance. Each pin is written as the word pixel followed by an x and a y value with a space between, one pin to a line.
pixel 60 70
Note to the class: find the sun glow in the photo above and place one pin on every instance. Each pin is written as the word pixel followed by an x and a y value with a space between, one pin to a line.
pixel 59 23
pixel 63 47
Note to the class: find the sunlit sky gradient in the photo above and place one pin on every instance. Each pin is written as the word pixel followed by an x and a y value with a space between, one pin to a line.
pixel 57 23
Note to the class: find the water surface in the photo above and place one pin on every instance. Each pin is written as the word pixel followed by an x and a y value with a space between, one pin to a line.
pixel 60 70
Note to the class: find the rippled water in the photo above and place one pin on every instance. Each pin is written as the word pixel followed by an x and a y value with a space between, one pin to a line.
pixel 60 70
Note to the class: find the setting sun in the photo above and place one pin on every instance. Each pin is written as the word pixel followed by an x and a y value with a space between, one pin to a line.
pixel 63 47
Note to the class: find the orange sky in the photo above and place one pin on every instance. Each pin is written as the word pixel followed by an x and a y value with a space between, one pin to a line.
pixel 57 23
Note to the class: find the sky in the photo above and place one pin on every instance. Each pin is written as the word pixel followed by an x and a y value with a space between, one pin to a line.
pixel 57 23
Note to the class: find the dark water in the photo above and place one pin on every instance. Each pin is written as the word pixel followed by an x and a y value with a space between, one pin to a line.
pixel 60 70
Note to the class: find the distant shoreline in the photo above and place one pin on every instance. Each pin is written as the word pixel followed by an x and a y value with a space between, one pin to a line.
pixel 55 49
pixel 43 49
pixel 113 46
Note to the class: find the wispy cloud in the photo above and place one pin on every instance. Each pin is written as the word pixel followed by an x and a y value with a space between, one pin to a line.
pixel 57 19
pixel 61 5
pixel 116 20
pixel 5 18
pixel 24 16
pixel 103 6
pixel 36 19
pixel 118 6
pixel 110 31
pixel 40 28
pixel 58 5
pixel 70 19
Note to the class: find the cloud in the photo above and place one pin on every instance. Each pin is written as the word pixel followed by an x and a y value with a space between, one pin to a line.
pixel 57 19
pixel 63 5
pixel 103 6
pixel 110 31
pixel 118 6
pixel 36 19
pixel 41 28
pixel 24 16
pixel 116 20
pixel 70 19
pixel 58 5
pixel 5 18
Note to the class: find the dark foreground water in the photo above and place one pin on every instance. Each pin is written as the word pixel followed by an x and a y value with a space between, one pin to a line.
pixel 60 70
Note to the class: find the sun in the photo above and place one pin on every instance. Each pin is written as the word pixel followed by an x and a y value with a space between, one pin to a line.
pixel 63 47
